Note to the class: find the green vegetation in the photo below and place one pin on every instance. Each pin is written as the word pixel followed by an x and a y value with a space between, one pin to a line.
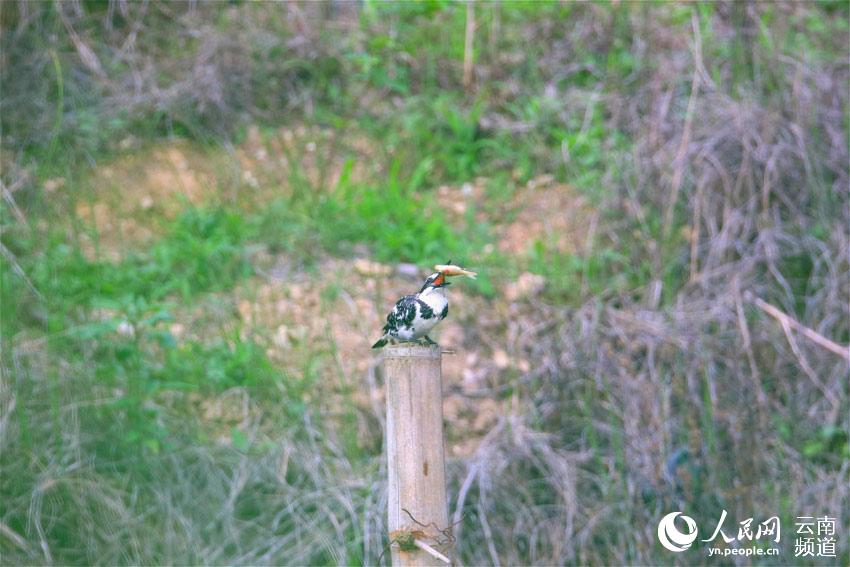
pixel 189 397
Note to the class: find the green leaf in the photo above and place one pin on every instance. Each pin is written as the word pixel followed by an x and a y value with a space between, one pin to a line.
pixel 239 440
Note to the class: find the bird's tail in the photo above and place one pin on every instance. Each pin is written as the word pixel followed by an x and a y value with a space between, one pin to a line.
pixel 381 342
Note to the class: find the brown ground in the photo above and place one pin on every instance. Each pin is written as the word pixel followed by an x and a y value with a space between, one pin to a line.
pixel 129 198
pixel 551 212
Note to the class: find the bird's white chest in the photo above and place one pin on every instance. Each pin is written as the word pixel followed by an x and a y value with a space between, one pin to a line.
pixel 436 302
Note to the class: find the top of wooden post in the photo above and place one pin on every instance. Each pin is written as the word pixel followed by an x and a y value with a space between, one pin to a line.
pixel 412 351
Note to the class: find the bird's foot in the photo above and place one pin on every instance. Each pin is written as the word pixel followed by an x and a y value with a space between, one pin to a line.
pixel 428 341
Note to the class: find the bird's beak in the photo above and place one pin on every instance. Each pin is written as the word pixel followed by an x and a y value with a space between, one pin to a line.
pixel 441 281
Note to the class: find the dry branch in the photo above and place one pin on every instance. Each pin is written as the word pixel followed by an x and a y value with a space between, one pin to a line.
pixel 811 334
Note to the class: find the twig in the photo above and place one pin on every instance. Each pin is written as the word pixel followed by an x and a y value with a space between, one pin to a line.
pixel 10 257
pixel 748 346
pixel 384 551
pixel 695 230
pixel 588 250
pixel 14 536
pixel 485 527
pixel 804 364
pixel 8 411
pixel 87 55
pixel 10 199
pixel 679 161
pixel 447 531
pixel 464 489
pixel 431 551
pixel 786 320
pixel 467 44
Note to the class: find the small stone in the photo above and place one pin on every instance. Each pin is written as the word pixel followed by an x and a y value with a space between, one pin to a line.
pixel 295 291
pixel 178 159
pixel 407 270
pixel 281 337
pixel 501 359
pixel 245 311
pixel 540 181
pixel 371 269
pixel 126 329
pixel 281 306
pixel 249 179
pixel 254 138
pixel 127 143
pixel 54 183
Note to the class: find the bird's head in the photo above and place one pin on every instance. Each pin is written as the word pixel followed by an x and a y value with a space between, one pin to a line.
pixel 436 280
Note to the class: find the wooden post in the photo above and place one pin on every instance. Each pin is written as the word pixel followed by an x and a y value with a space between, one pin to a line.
pixel 416 462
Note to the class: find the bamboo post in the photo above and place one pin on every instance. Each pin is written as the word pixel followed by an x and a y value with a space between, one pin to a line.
pixel 416 462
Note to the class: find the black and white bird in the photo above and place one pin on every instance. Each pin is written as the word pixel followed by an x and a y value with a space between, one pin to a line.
pixel 415 315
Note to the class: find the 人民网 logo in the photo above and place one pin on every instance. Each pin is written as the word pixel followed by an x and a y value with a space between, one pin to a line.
pixel 678 539
pixel 670 536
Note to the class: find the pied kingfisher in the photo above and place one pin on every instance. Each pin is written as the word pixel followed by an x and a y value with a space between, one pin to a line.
pixel 416 314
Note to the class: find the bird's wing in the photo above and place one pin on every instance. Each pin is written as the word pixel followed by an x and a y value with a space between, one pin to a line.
pixel 402 314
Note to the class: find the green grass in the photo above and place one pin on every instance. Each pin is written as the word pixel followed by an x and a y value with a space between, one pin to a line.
pixel 88 304
pixel 203 250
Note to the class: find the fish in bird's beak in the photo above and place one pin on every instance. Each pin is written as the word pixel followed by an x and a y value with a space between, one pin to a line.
pixel 450 269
